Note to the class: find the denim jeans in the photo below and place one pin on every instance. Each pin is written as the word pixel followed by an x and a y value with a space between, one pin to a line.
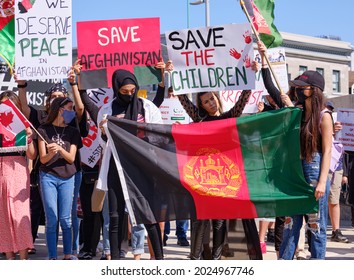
pixel 57 194
pixel 181 228
pixel 75 219
pixel 138 239
pixel 318 237
pixel 105 227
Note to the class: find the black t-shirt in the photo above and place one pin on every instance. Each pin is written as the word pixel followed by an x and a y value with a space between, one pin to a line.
pixel 65 137
pixel 38 117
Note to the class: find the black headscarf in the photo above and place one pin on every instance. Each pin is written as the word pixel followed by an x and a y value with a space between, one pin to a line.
pixel 121 78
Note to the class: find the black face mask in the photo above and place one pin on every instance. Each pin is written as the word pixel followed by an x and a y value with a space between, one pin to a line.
pixel 126 98
pixel 301 97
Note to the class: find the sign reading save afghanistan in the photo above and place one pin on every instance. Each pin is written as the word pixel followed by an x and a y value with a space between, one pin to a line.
pixel 43 32
pixel 211 58
pixel 123 43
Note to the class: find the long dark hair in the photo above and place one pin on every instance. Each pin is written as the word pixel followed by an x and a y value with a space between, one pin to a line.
pixel 202 111
pixel 54 108
pixel 310 128
pixel 13 97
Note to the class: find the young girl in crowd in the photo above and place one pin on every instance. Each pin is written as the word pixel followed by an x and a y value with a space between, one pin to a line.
pixel 38 117
pixel 15 222
pixel 57 173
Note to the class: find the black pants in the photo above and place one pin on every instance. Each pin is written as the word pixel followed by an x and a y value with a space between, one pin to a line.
pixel 154 233
pixel 278 232
pixel 199 229
pixel 91 221
pixel 37 211
pixel 116 218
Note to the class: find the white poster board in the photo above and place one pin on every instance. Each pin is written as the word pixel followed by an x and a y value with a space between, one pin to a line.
pixel 172 111
pixel 278 61
pixel 211 58
pixel 346 134
pixel 91 151
pixel 43 39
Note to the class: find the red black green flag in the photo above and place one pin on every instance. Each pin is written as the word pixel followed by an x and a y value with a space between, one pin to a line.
pixel 246 167
pixel 7 32
pixel 261 13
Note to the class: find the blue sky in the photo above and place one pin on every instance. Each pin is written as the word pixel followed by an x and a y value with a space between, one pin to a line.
pixel 307 17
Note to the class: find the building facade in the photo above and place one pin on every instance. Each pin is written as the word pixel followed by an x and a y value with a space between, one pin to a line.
pixel 330 57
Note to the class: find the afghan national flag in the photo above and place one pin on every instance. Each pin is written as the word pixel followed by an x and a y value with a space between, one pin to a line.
pixel 13 126
pixel 246 167
pixel 262 15
pixel 7 32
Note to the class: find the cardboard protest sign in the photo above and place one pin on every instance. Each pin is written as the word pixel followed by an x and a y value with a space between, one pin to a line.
pixel 35 89
pixel 278 61
pixel 211 58
pixel 346 134
pixel 43 39
pixel 91 151
pixel 121 43
pixel 172 112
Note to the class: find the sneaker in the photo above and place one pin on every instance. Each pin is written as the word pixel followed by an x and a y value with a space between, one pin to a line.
pixel 263 247
pixel 337 236
pixel 71 258
pixel 182 242
pixel 122 254
pixel 85 256
pixel 103 257
pixel 270 236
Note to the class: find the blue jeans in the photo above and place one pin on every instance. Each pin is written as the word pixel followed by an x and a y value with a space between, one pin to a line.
pixel 57 195
pixel 137 238
pixel 292 226
pixel 105 227
pixel 75 219
pixel 181 228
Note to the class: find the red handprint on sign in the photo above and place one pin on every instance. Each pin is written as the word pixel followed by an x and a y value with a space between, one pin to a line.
pixel 235 54
pixel 247 37
pixel 247 61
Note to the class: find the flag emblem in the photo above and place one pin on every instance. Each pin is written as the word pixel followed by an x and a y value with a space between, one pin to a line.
pixel 212 173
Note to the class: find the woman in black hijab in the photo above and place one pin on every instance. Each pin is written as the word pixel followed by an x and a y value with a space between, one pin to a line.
pixel 127 105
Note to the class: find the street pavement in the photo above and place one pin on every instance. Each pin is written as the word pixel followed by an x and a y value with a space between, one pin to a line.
pixel 335 250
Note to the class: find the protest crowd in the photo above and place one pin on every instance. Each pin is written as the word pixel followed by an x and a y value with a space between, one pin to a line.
pixel 214 173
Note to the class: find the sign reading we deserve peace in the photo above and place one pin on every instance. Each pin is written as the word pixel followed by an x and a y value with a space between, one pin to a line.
pixel 43 36
pixel 211 58
pixel 121 43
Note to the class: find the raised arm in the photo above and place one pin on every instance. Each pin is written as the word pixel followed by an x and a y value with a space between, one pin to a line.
pixel 89 105
pixel 79 106
pixel 22 84
pixel 160 93
pixel 190 108
pixel 236 111
pixel 280 99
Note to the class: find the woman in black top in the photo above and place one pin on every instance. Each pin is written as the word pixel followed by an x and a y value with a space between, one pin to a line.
pixel 57 173
pixel 208 109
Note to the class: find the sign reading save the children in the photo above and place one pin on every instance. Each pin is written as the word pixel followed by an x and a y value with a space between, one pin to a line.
pixel 43 32
pixel 123 43
pixel 211 58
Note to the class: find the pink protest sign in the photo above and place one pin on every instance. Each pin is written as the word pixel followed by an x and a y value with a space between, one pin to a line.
pixel 118 44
